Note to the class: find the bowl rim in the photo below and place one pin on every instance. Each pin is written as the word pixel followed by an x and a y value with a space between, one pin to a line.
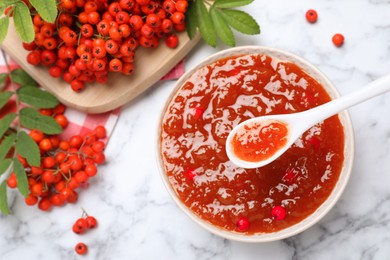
pixel 349 147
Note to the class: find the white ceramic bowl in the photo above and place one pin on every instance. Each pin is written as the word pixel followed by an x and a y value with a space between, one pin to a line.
pixel 348 148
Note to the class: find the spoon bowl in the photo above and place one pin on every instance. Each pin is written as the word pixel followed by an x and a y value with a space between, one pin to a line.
pixel 298 123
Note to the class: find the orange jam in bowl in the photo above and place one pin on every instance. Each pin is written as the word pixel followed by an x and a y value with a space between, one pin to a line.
pixel 267 203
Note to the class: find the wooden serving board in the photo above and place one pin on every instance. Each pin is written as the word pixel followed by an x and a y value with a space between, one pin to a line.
pixel 150 66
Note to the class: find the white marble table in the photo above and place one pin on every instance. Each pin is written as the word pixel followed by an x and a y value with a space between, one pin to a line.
pixel 138 219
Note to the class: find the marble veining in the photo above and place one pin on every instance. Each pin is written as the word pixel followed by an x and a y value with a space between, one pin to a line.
pixel 138 219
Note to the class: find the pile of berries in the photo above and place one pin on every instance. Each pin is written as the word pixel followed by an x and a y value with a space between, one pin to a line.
pixel 92 37
pixel 65 166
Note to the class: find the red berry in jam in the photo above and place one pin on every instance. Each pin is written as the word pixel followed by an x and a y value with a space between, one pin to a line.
pixel 242 224
pixel 190 174
pixel 311 16
pixel 278 212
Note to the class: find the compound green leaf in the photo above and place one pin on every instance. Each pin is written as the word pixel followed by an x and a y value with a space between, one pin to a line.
pixel 224 32
pixel 32 119
pixel 37 97
pixel 241 21
pixel 47 9
pixel 23 22
pixel 231 3
pixel 28 148
pixel 205 24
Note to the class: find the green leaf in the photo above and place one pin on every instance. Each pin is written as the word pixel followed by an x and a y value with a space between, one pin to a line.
pixel 22 78
pixel 23 22
pixel 241 21
pixel 5 122
pixel 21 177
pixel 47 9
pixel 4 23
pixel 3 77
pixel 4 97
pixel 32 119
pixel 3 199
pixel 224 32
pixel 205 24
pixel 6 145
pixel 4 165
pixel 37 97
pixel 28 148
pixel 191 20
pixel 231 3
pixel 6 3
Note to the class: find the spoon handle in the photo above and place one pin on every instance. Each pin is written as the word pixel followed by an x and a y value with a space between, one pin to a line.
pixel 335 106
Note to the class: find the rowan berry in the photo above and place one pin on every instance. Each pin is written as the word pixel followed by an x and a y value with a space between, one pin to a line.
pixel 149 8
pixel 172 41
pixel 81 248
pixel 126 4
pixel 48 177
pixel 29 46
pixel 103 27
pixel 11 181
pixel 56 200
pixel 311 16
pixel 181 6
pixel 65 19
pixel 242 224
pixel 45 145
pixel 153 20
pixel 122 17
pixel 49 162
pixel 114 8
pixel 278 212
pixel 167 25
pixel 55 71
pixel 77 85
pixel 31 200
pixel 143 2
pixel 44 204
pixel 36 135
pixel 90 6
pixel 80 226
pixel 81 176
pixel 34 57
pixel 178 18
pixel 91 221
pixel 86 30
pixel 338 39
pixel 115 65
pixel 90 170
pixel 93 18
pixel 37 189
pixel 136 22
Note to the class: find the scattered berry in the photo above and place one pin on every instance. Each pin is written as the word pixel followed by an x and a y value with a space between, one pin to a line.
pixel 311 16
pixel 91 221
pixel 81 248
pixel 338 39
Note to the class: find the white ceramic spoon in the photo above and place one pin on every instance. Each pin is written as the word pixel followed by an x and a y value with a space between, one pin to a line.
pixel 298 123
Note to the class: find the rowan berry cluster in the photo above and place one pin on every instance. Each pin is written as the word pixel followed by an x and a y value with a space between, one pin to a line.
pixel 65 166
pixel 80 227
pixel 92 37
